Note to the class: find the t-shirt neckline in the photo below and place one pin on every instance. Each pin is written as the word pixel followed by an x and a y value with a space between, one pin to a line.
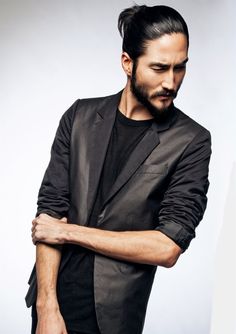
pixel 132 122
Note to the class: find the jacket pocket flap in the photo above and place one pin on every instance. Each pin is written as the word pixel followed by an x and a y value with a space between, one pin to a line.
pixel 153 169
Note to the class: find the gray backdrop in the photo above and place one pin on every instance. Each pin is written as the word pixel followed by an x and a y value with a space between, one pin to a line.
pixel 54 51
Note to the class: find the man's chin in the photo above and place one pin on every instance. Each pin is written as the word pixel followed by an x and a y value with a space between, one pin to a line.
pixel 160 111
pixel 161 108
pixel 161 104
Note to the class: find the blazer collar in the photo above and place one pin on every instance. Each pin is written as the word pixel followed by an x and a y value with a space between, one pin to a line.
pixel 108 109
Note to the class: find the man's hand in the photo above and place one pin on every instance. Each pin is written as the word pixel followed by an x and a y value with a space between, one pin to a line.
pixel 50 321
pixel 48 229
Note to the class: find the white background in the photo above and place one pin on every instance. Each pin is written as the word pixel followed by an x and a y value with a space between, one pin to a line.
pixel 53 52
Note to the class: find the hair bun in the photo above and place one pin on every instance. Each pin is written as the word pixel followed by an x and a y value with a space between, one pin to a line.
pixel 126 17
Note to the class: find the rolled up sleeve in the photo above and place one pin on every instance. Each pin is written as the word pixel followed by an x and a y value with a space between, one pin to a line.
pixel 53 197
pixel 185 200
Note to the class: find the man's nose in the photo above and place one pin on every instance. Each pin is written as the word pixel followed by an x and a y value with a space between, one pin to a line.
pixel 169 81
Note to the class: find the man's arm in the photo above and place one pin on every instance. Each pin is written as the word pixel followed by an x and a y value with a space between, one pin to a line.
pixel 148 247
pixel 53 201
pixel 47 264
pixel 185 199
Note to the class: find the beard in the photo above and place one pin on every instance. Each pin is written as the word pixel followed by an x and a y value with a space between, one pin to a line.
pixel 141 94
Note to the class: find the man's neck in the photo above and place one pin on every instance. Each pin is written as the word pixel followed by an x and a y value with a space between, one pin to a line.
pixel 131 108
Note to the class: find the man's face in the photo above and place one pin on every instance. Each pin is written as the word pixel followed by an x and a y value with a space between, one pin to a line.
pixel 157 74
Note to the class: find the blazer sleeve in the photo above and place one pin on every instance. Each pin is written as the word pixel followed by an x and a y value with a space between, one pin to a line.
pixel 185 200
pixel 53 197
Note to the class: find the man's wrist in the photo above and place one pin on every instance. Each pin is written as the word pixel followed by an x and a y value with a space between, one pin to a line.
pixel 47 299
pixel 70 232
pixel 48 305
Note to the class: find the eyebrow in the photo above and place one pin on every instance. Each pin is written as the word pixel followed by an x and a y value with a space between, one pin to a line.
pixel 167 65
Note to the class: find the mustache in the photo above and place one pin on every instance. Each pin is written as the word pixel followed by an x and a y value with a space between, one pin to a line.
pixel 165 93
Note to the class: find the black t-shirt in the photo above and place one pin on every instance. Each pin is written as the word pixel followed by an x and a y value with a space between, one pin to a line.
pixel 75 284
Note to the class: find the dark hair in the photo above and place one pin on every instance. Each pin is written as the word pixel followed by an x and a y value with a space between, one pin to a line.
pixel 139 24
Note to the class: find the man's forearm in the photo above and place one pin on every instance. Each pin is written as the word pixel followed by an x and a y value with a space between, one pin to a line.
pixel 47 263
pixel 50 319
pixel 148 247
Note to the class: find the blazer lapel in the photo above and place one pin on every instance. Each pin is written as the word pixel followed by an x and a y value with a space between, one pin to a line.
pixel 99 140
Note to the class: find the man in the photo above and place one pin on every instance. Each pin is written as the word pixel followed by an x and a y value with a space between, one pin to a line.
pixel 124 190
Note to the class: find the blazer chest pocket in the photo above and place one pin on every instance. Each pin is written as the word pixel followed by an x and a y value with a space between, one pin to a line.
pixel 153 169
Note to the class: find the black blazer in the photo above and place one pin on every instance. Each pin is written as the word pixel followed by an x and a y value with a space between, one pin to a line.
pixel 163 187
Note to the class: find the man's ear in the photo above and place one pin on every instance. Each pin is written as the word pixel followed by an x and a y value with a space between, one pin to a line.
pixel 127 63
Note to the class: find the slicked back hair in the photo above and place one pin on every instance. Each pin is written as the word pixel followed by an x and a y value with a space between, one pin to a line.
pixel 139 24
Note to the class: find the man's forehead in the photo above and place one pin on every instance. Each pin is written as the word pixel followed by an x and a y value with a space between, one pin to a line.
pixel 166 48
pixel 181 61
